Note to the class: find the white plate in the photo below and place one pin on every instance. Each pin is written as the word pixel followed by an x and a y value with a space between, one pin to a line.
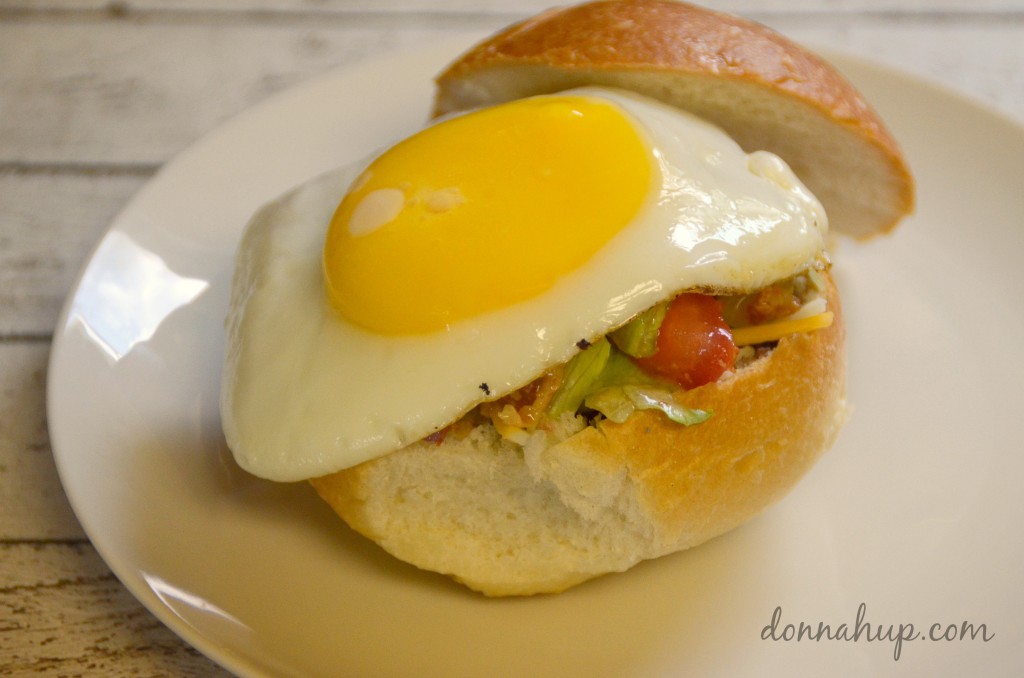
pixel 915 513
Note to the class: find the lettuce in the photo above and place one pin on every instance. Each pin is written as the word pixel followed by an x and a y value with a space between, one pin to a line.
pixel 618 402
pixel 580 377
pixel 639 337
pixel 604 379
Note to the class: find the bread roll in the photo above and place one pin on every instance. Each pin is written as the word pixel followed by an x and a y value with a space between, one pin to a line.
pixel 506 520
pixel 766 92
pixel 582 500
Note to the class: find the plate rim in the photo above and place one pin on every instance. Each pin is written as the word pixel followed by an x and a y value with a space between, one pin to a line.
pixel 126 572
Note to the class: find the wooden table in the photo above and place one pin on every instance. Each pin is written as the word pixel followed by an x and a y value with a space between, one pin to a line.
pixel 95 96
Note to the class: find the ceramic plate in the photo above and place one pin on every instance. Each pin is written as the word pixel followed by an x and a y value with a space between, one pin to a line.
pixel 910 525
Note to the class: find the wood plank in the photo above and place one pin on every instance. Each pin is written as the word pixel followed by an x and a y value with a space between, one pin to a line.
pixel 502 6
pixel 63 613
pixel 49 223
pixel 34 504
pixel 135 94
pixel 121 92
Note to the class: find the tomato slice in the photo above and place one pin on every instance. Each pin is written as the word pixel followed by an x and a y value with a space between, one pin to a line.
pixel 694 343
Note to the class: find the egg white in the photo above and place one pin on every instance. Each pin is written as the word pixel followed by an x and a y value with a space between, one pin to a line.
pixel 306 393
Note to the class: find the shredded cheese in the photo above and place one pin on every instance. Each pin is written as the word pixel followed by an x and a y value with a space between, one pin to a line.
pixel 760 334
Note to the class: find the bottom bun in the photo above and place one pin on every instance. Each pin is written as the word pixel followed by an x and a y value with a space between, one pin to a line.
pixel 585 500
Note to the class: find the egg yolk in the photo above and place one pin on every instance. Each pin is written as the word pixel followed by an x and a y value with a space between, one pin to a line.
pixel 483 211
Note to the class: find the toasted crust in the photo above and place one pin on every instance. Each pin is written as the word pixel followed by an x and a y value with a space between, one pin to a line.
pixel 510 521
pixel 771 423
pixel 764 90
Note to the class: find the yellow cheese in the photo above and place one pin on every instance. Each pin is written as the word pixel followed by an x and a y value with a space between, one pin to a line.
pixel 760 334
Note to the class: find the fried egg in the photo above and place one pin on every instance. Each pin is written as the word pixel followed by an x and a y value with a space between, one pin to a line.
pixel 376 304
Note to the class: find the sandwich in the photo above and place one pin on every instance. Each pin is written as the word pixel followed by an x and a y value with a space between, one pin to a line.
pixel 582 319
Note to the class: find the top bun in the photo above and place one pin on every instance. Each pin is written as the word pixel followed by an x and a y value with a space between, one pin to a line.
pixel 762 89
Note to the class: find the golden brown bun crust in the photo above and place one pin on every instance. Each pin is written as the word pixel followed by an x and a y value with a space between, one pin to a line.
pixel 771 423
pixel 513 522
pixel 688 56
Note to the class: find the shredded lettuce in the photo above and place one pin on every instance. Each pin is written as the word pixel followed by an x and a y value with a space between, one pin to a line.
pixel 580 376
pixel 618 402
pixel 604 379
pixel 639 337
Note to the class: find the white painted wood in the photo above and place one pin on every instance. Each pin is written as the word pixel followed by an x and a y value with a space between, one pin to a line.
pixel 506 8
pixel 49 222
pixel 62 613
pixel 120 92
pixel 34 505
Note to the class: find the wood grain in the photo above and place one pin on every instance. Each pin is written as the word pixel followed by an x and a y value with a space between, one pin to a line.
pixel 522 7
pixel 127 94
pixel 62 613
pixel 35 507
